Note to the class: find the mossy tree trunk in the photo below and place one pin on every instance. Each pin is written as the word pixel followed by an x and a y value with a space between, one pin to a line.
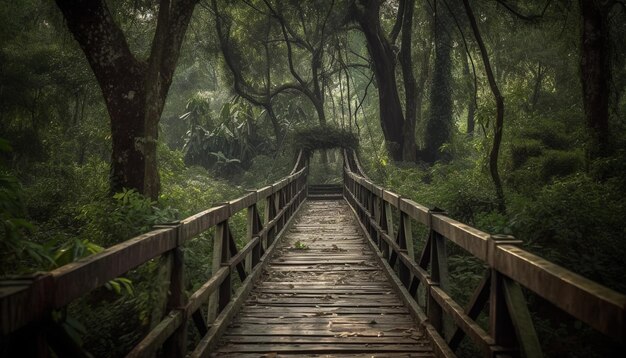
pixel 134 90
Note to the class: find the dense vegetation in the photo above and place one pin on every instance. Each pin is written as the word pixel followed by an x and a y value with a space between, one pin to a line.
pixel 118 115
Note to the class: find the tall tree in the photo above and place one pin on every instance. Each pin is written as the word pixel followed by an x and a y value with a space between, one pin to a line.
pixel 595 66
pixel 134 90
pixel 499 124
pixel 409 149
pixel 367 15
pixel 439 125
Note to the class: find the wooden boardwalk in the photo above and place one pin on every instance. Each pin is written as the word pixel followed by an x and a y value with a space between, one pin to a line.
pixel 323 294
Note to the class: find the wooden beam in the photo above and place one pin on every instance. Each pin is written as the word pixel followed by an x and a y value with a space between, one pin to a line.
pixel 151 343
pixel 592 303
pixel 78 278
pixel 523 323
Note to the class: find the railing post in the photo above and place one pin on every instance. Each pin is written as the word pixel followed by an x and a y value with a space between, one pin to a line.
pixel 221 254
pixel 378 216
pixel 29 300
pixel 254 227
pixel 510 323
pixel 438 275
pixel 386 224
pixel 405 241
pixel 176 345
pixel 269 215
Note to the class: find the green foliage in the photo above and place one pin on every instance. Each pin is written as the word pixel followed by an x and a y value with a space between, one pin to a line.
pixel 560 163
pixel 577 222
pixel 14 244
pixel 300 246
pixel 522 150
pixel 323 137
pixel 226 145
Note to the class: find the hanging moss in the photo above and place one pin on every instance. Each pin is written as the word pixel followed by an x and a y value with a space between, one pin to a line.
pixel 323 137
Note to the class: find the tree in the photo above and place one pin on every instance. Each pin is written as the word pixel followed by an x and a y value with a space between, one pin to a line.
pixel 367 15
pixel 439 125
pixel 134 90
pixel 595 69
pixel 497 136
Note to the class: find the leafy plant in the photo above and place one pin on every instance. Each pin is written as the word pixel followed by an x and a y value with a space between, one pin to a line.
pixel 298 245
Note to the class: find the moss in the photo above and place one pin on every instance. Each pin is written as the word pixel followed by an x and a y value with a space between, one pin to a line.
pixel 557 163
pixel 522 150
pixel 323 137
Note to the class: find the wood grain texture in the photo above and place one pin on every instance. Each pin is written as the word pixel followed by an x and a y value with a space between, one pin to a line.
pixel 324 293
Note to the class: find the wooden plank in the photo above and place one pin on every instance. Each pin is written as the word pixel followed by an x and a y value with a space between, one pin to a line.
pixel 323 348
pixel 374 321
pixel 155 339
pixel 219 326
pixel 472 240
pixel 338 338
pixel 524 327
pixel 391 198
pixel 199 223
pixel 241 255
pixel 80 277
pixel 202 295
pixel 416 211
pixel 311 306
pixel 264 192
pixel 463 321
pixel 592 303
pixel 242 202
pixel 24 300
pixel 334 355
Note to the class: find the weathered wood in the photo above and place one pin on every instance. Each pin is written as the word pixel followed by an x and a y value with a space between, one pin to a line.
pixel 475 306
pixel 201 296
pixel 219 325
pixel 176 344
pixel 78 278
pixel 24 300
pixel 463 321
pixel 151 343
pixel 524 328
pixel 472 240
pixel 297 303
pixel 198 223
pixel 218 253
pixel 414 210
pixel 594 304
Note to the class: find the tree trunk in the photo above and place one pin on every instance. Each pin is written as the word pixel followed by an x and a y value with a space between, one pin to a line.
pixel 439 126
pixel 595 68
pixel 497 136
pixel 134 91
pixel 409 149
pixel 471 95
pixel 366 14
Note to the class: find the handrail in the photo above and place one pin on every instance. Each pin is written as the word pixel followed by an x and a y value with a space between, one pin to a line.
pixel 508 267
pixel 26 304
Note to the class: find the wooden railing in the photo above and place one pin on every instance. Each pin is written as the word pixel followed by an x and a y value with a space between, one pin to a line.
pixel 26 326
pixel 508 267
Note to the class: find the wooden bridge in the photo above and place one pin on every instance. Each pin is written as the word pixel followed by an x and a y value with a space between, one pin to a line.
pixel 335 276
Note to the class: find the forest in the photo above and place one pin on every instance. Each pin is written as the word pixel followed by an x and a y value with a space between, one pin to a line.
pixel 117 116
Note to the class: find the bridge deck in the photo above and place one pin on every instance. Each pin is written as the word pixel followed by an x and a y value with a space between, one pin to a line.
pixel 324 294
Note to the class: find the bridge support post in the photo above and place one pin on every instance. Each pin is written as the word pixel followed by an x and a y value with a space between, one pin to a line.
pixel 176 344
pixel 221 297
pixel 438 275
pixel 510 323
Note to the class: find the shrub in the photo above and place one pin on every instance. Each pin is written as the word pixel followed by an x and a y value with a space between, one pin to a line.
pixel 522 150
pixel 556 163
